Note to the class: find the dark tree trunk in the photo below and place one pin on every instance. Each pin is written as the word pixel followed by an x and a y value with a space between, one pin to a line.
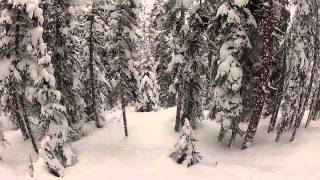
pixel 274 116
pixel 178 112
pixel 17 92
pixel 282 127
pixel 92 78
pixel 179 88
pixel 57 56
pixel 265 74
pixel 221 134
pixel 188 105
pixel 19 117
pixel 27 125
pixel 124 116
pixel 235 126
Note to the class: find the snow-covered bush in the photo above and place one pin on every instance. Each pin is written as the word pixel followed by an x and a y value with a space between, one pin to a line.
pixel 148 89
pixel 184 151
pixel 56 154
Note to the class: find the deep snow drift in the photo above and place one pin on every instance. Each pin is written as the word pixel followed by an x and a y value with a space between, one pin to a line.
pixel 107 154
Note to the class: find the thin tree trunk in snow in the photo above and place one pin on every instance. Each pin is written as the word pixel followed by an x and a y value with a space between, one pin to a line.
pixel 178 113
pixel 124 116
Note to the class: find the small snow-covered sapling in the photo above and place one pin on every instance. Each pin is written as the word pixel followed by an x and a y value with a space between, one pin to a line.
pixel 184 151
pixel 30 167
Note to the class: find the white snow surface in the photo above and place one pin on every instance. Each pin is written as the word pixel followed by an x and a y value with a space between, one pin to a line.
pixel 241 3
pixel 107 154
pixel 4 67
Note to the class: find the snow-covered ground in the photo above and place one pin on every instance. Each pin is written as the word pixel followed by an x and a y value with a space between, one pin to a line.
pixel 107 154
pixel 4 68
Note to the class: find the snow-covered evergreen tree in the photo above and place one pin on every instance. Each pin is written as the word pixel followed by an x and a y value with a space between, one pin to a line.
pixel 213 54
pixel 61 41
pixel 174 21
pixel 55 150
pixel 196 51
pixel 227 105
pixel 184 151
pixel 299 66
pixel 148 87
pixel 20 45
pixel 95 66
pixel 315 94
pixel 122 51
pixel 31 80
pixel 161 52
pixel 278 72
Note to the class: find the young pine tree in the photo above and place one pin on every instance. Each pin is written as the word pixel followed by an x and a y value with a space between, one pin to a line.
pixel 122 51
pixel 184 151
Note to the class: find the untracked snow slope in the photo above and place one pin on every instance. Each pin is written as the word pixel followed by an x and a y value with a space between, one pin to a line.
pixel 107 154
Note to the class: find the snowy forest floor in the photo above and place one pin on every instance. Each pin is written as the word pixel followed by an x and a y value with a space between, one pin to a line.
pixel 107 154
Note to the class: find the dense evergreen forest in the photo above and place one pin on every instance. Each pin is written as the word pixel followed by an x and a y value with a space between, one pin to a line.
pixel 232 62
